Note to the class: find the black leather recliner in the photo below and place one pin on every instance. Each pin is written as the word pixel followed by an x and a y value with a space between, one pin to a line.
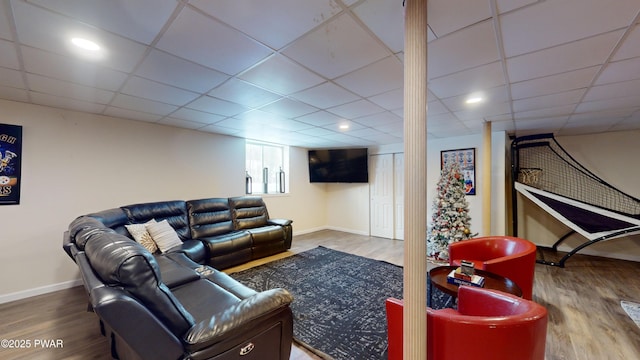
pixel 173 305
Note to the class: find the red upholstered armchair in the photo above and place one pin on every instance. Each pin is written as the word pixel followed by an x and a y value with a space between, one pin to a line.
pixel 507 256
pixel 488 324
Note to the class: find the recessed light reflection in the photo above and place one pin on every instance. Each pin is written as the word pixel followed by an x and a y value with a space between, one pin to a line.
pixel 344 126
pixel 474 100
pixel 85 44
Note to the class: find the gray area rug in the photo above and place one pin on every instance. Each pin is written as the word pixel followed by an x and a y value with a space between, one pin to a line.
pixel 339 300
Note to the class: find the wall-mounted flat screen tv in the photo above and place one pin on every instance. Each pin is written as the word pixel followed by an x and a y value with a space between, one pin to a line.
pixel 338 166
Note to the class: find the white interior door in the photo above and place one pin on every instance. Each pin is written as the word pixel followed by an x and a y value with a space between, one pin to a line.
pixel 381 190
pixel 398 171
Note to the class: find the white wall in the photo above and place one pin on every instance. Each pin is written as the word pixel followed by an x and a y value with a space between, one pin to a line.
pixel 348 204
pixel 613 157
pixel 75 163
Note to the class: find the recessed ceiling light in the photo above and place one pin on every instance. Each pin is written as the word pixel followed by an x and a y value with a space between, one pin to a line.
pixel 474 100
pixel 85 44
pixel 344 126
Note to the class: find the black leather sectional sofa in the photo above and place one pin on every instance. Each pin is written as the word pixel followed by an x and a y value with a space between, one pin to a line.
pixel 177 304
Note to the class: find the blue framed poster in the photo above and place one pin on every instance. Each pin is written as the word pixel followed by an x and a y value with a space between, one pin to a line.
pixel 10 163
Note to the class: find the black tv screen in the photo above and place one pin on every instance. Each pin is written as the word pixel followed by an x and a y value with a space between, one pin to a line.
pixel 338 166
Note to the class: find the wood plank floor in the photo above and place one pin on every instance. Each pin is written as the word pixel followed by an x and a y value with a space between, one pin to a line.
pixel 583 299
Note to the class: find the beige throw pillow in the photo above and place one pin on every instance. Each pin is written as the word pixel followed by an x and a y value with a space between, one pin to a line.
pixel 142 236
pixel 163 235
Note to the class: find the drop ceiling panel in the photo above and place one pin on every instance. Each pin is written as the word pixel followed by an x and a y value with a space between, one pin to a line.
pixel 620 71
pixel 378 120
pixel 131 114
pixel 196 116
pixel 615 90
pixel 631 47
pixel 468 81
pixel 447 16
pixel 8 55
pixel 281 75
pixel 243 93
pixel 71 70
pixel 608 104
pixel 337 47
pixel 553 84
pixel 356 109
pixel 377 78
pixel 139 104
pixel 48 31
pixel 559 59
pixel 377 15
pixel 14 94
pixel 552 112
pixel 288 108
pixel 319 118
pixel 560 22
pixel 285 20
pixel 391 100
pixel 216 106
pixel 196 37
pixel 64 89
pixel 5 28
pixel 325 95
pixel 11 78
pixel 65 103
pixel 118 16
pixel 465 49
pixel 545 101
pixel 159 92
pixel 184 74
pixel 186 124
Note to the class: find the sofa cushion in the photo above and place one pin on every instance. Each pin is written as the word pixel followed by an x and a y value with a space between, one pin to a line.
pixel 175 212
pixel 163 235
pixel 120 261
pixel 209 217
pixel 142 236
pixel 248 212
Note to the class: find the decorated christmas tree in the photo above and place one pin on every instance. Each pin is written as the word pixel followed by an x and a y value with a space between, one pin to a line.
pixel 450 213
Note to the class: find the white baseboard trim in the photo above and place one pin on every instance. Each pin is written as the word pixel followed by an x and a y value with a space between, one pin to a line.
pixel 19 295
pixel 351 231
pixel 309 231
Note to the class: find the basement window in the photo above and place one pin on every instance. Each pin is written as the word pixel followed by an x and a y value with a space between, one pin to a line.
pixel 267 168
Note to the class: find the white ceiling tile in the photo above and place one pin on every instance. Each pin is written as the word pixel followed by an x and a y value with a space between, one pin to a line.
pixel 447 16
pixel 377 120
pixel 377 78
pixel 11 78
pixel 468 81
pixel 217 129
pixel 217 106
pixel 570 80
pixel 8 55
pixel 196 116
pixel 131 114
pixel 465 49
pixel 377 15
pixel 508 126
pixel 620 71
pixel 356 109
pixel 509 5
pixel 436 108
pixel 587 126
pixel 315 131
pixel 144 105
pixel 243 93
pixel 336 48
pixel 560 22
pixel 49 31
pixel 156 91
pixel 285 19
pixel 281 75
pixel 47 85
pixel 497 95
pixel 186 124
pixel 610 114
pixel 615 90
pixel 391 100
pixel 557 112
pixel 14 94
pixel 325 95
pixel 5 28
pixel 631 47
pixel 261 118
pixel 549 124
pixel 319 118
pixel 65 103
pixel 139 20
pixel 184 74
pixel 545 101
pixel 482 113
pixel 631 123
pixel 71 70
pixel 559 59
pixel 608 104
pixel 196 37
pixel 289 108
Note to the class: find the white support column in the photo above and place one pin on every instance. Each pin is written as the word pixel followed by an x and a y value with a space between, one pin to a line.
pixel 415 180
pixel 486 179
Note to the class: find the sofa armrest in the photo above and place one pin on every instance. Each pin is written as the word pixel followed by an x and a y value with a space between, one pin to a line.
pixel 281 222
pixel 238 317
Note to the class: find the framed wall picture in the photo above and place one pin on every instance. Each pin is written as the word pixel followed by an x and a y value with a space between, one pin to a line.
pixel 466 159
pixel 10 160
